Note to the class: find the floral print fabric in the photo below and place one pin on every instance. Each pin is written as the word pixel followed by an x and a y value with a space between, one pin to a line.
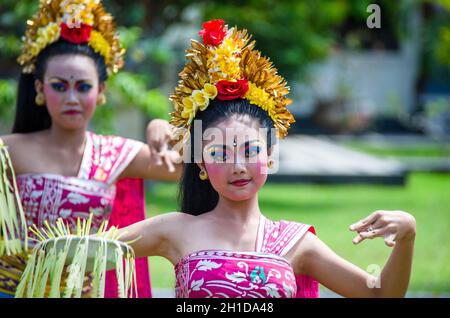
pixel 263 273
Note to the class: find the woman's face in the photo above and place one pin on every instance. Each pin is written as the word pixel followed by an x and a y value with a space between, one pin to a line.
pixel 236 162
pixel 71 88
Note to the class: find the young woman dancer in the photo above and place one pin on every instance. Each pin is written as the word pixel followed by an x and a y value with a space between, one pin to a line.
pixel 220 242
pixel 63 169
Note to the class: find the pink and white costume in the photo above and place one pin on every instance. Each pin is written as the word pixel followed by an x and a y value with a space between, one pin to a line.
pixel 263 273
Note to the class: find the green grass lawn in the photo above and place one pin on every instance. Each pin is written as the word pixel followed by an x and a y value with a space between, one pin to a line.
pixel 332 208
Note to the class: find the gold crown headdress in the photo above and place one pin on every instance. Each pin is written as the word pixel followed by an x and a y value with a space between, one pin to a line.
pixel 227 67
pixel 76 21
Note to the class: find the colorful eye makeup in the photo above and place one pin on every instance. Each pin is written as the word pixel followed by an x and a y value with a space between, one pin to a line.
pixel 83 87
pixel 61 85
pixel 58 86
pixel 218 153
pixel 252 150
pixel 222 153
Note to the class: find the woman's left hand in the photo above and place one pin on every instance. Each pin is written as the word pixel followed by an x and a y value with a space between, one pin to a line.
pixel 393 226
pixel 159 134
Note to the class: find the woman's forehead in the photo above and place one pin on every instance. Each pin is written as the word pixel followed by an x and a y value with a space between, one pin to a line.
pixel 239 125
pixel 238 129
pixel 71 66
pixel 234 133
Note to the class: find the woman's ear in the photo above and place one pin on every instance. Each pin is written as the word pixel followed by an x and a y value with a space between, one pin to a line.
pixel 38 86
pixel 201 166
pixel 102 88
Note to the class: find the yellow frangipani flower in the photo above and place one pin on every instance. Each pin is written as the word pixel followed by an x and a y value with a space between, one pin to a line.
pixel 189 108
pixel 210 90
pixel 201 100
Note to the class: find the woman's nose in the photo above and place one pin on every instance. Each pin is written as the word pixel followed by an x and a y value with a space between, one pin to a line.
pixel 72 97
pixel 239 165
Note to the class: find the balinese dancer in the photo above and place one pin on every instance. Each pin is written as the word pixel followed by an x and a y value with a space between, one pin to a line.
pixel 63 170
pixel 229 99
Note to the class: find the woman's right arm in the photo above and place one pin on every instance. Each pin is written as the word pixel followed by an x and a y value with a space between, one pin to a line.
pixel 154 236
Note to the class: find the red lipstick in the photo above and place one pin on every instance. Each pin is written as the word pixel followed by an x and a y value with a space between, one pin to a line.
pixel 240 182
pixel 72 112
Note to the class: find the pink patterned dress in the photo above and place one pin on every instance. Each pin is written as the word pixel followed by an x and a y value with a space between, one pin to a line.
pixel 264 273
pixel 46 197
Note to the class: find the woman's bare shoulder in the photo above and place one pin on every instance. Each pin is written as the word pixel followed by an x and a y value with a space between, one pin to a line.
pixel 11 139
pixel 13 142
pixel 175 215
pixel 19 140
pixel 303 250
pixel 22 147
pixel 175 220
pixel 309 243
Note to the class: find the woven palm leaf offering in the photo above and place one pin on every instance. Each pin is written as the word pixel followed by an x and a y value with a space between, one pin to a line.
pixel 13 231
pixel 60 261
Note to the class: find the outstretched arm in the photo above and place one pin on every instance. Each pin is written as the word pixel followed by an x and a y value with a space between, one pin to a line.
pixel 316 259
pixel 153 236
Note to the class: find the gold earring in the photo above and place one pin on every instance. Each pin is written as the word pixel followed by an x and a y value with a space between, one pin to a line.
pixel 40 99
pixel 203 175
pixel 270 163
pixel 101 100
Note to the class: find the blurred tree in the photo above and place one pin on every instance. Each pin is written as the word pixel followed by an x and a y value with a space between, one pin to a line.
pixel 441 19
pixel 292 33
pixel 296 33
pixel 433 84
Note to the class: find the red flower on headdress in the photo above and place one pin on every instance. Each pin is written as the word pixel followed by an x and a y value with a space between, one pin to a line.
pixel 76 35
pixel 213 32
pixel 227 90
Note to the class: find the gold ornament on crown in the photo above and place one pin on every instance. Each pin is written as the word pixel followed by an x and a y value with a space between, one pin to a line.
pixel 226 66
pixel 76 21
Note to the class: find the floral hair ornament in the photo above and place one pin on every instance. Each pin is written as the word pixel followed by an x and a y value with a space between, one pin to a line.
pixel 77 22
pixel 227 67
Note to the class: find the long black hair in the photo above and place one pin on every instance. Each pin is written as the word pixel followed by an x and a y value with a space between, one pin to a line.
pixel 31 117
pixel 198 196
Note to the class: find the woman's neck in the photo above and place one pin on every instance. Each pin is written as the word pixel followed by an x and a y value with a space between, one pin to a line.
pixel 243 211
pixel 66 138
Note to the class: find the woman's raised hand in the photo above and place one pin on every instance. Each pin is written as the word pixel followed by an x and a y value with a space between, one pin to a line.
pixel 392 226
pixel 159 134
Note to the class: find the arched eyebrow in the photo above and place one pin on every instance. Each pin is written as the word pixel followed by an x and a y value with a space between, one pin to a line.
pixel 247 143
pixel 243 145
pixel 65 81
pixel 223 147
